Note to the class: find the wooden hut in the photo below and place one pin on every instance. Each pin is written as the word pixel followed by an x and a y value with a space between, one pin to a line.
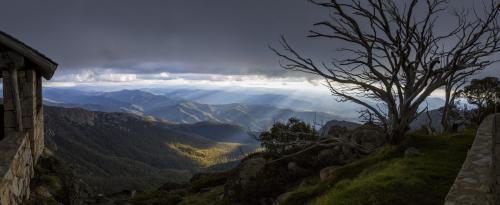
pixel 21 143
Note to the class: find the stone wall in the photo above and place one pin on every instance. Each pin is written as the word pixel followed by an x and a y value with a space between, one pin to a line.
pixel 475 183
pixel 16 169
pixel 20 150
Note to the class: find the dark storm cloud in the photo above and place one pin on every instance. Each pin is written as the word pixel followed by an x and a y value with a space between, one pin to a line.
pixel 145 36
pixel 132 36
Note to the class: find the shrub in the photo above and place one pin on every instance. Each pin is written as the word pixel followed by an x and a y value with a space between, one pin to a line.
pixel 281 135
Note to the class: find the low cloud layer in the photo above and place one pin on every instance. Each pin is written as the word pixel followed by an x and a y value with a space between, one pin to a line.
pixel 112 78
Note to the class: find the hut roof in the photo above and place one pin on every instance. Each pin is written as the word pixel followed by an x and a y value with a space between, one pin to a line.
pixel 43 65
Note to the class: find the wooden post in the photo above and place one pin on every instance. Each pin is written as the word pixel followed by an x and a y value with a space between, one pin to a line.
pixel 14 88
pixel 12 62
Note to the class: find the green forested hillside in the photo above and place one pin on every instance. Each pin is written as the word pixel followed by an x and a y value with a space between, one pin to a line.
pixel 115 151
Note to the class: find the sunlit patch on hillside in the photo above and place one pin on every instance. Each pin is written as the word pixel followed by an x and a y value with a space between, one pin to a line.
pixel 221 152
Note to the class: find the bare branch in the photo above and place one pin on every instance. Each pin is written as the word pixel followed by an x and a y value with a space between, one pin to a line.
pixel 395 56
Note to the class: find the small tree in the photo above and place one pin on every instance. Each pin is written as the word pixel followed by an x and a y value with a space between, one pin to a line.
pixel 395 56
pixel 482 93
pixel 282 136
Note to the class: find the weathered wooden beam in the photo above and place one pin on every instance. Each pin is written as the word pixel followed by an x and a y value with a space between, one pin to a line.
pixel 46 66
pixel 12 62
pixel 17 102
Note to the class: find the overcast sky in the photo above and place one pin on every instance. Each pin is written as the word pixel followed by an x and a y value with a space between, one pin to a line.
pixel 119 40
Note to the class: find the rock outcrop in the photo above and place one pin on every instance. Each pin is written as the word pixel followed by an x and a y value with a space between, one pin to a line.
pixel 368 136
pixel 412 152
pixel 328 173
pixel 244 180
pixel 261 178
pixel 54 183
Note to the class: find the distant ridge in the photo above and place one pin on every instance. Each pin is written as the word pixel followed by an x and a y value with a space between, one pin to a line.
pixel 250 116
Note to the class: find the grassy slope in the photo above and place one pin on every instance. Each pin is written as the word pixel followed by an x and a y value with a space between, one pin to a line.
pixel 386 177
pixel 163 197
pixel 205 198
pixel 389 178
pixel 205 190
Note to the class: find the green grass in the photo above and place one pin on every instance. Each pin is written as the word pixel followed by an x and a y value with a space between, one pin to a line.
pixel 209 180
pixel 205 189
pixel 54 182
pixel 209 197
pixel 387 177
pixel 156 197
pixel 206 198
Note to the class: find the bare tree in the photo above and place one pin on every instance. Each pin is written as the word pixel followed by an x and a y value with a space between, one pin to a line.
pixel 428 127
pixel 452 86
pixel 397 57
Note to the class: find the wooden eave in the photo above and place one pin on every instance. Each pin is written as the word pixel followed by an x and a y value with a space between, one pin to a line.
pixel 42 64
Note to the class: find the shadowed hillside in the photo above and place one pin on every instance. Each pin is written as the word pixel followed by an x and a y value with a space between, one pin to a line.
pixel 115 151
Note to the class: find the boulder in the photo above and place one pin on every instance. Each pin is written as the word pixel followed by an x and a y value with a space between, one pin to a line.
pixel 43 192
pixel 335 128
pixel 347 150
pixel 295 169
pixel 328 173
pixel 369 136
pixel 254 180
pixel 205 180
pixel 240 180
pixel 169 186
pixel 203 190
pixel 412 152
pixel 337 131
pixel 329 156
pixel 266 201
pixel 250 169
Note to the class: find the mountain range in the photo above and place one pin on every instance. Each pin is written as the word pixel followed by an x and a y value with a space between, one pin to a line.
pixel 304 101
pixel 179 110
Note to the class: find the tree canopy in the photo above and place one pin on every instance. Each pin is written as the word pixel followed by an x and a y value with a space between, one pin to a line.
pixel 280 135
pixel 482 94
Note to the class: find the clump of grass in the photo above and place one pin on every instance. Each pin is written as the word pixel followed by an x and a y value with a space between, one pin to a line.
pixel 387 177
pixel 53 182
pixel 205 198
pixel 209 197
pixel 157 197
pixel 207 180
pixel 51 201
